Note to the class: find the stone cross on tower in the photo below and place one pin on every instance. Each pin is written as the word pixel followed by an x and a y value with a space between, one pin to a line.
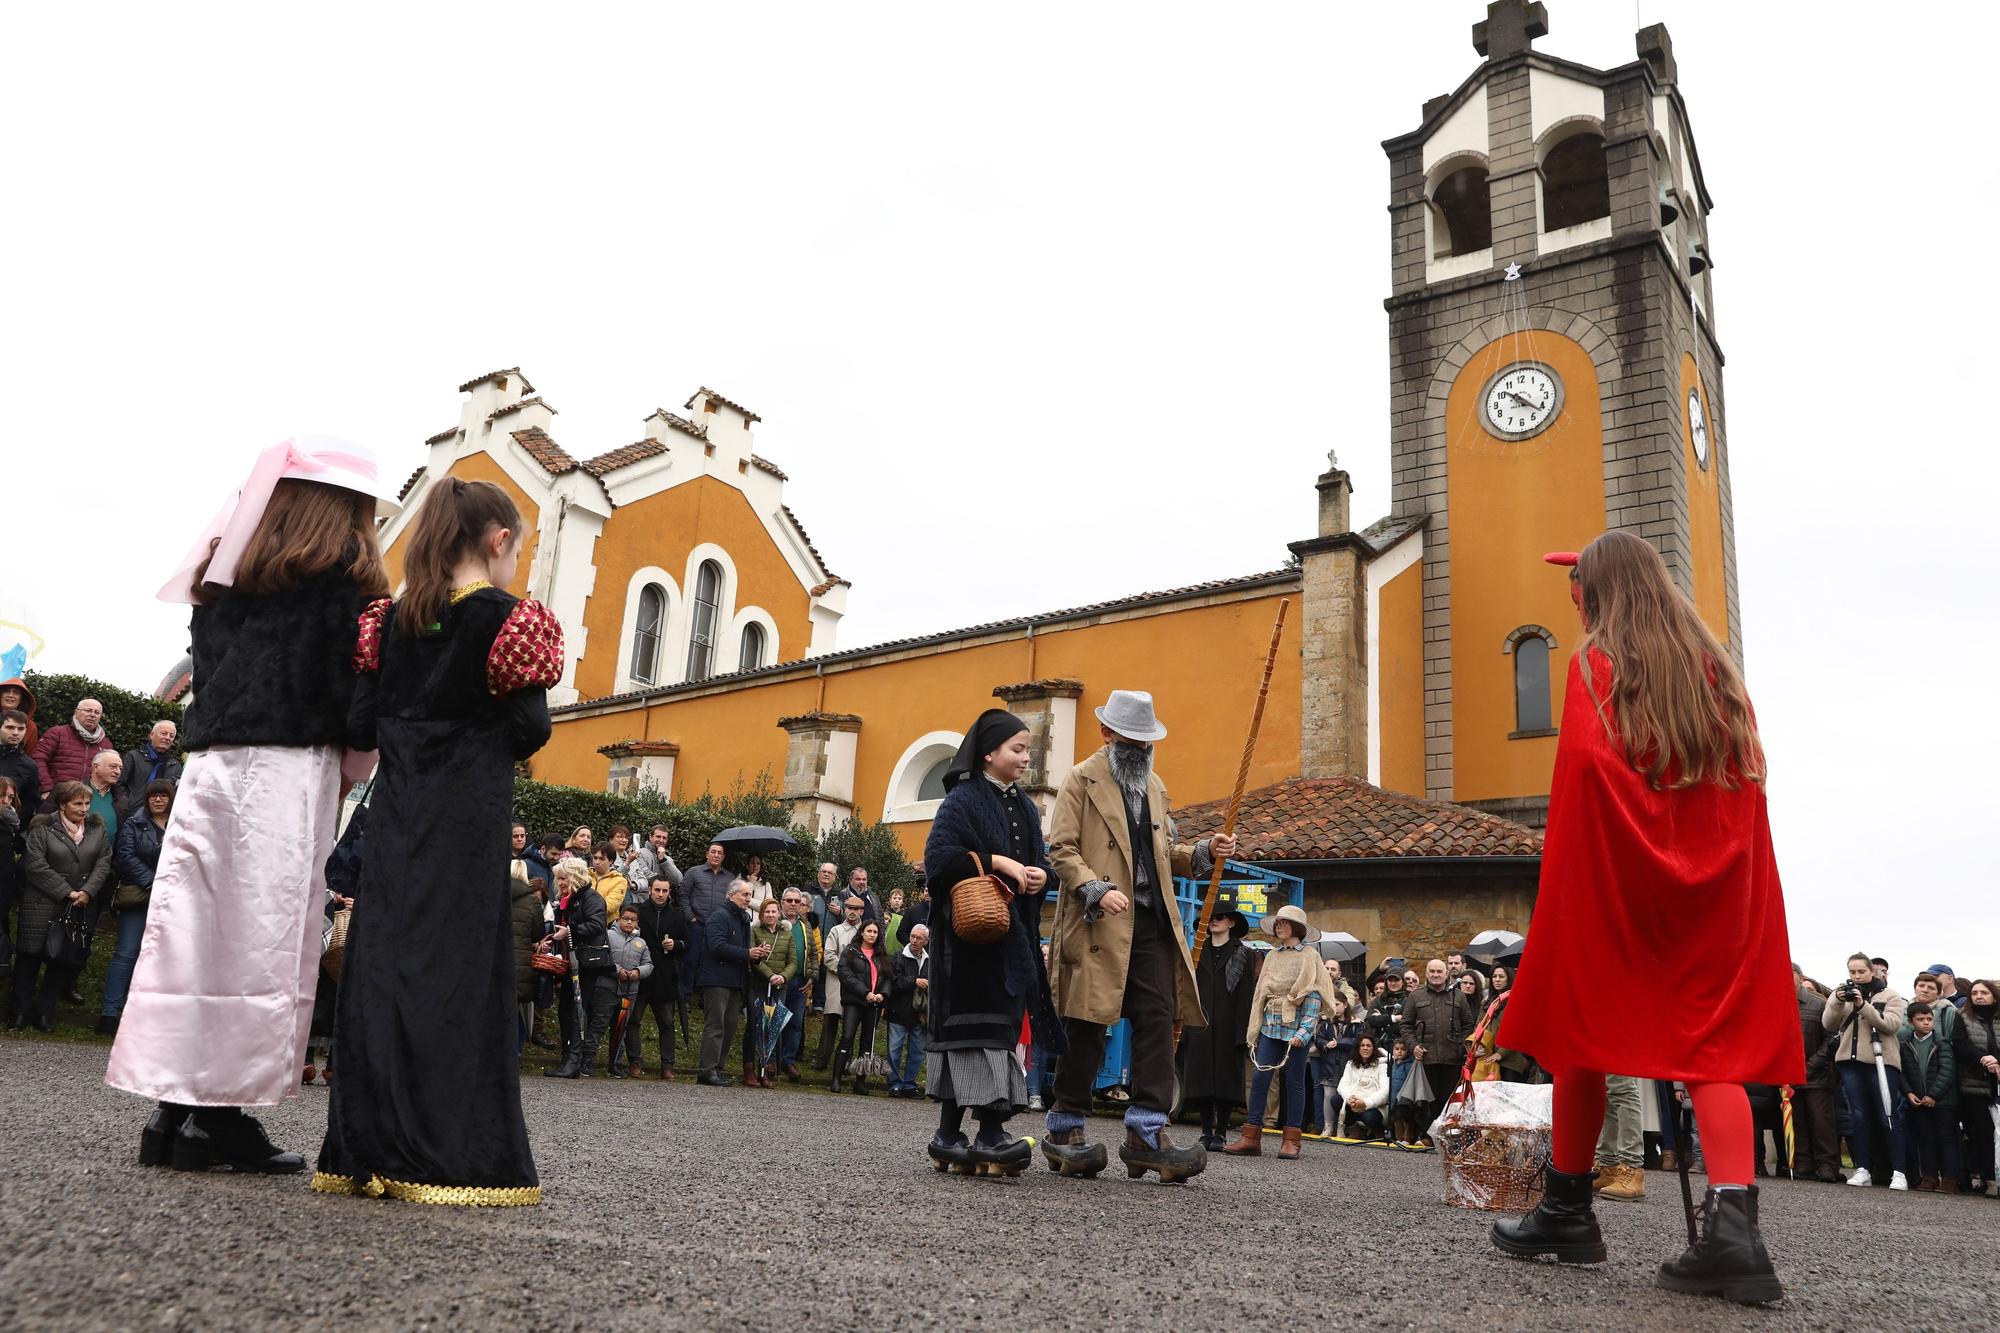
pixel 1509 28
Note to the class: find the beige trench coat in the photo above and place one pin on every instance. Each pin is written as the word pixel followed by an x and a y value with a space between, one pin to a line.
pixel 1090 839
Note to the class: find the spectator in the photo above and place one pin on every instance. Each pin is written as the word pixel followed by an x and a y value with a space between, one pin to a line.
pixel 1930 1081
pixel 526 893
pixel 135 855
pixel 621 848
pixel 1948 988
pixel 652 860
pixel 1515 1066
pixel 760 888
pixel 583 934
pixel 1944 1017
pixel 1473 987
pixel 1621 1143
pixel 1385 1010
pixel 1437 1020
pixel 1978 1061
pixel 909 1009
pixel 723 972
pixel 17 760
pixel 579 843
pixel 665 928
pixel 704 893
pixel 798 995
pixel 533 864
pixel 837 941
pixel 1334 1042
pixel 12 815
pixel 1815 1125
pixel 892 920
pixel 15 696
pixel 773 971
pixel 610 885
pixel 857 887
pixel 1865 1011
pixel 1362 1094
pixel 152 760
pixel 826 896
pixel 1215 1059
pixel 67 862
pixel 64 753
pixel 1401 1113
pixel 552 852
pixel 864 989
pixel 915 914
pixel 1292 989
pixel 631 964
pixel 1454 965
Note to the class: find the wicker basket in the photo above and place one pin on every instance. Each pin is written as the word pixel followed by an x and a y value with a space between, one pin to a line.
pixel 1494 1145
pixel 336 944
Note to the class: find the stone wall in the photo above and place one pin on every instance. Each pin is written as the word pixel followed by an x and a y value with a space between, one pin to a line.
pixel 1421 916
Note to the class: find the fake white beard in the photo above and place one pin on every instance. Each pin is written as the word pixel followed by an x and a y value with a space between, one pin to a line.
pixel 1132 769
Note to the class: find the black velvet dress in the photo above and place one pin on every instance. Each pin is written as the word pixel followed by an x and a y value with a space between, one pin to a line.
pixel 427 1102
pixel 1215 1059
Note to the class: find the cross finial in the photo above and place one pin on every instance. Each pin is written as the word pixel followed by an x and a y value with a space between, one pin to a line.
pixel 1332 461
pixel 1510 28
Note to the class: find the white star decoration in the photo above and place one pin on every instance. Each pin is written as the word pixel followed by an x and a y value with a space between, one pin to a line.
pixel 1513 272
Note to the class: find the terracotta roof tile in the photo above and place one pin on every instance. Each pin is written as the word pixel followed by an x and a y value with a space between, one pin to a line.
pixel 623 457
pixel 441 436
pixel 1328 819
pixel 472 384
pixel 515 407
pixel 822 589
pixel 766 465
pixel 681 424
pixel 410 483
pixel 747 414
pixel 545 450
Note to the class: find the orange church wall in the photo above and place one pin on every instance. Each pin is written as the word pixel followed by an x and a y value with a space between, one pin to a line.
pixel 1202 664
pixel 1704 497
pixel 481 467
pixel 1400 687
pixel 661 530
pixel 1510 502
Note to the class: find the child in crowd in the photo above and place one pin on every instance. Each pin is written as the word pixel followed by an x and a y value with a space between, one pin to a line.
pixel 1401 1061
pixel 1930 1082
pixel 632 963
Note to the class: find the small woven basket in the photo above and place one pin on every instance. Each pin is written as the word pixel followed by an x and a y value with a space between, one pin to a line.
pixel 979 907
pixel 336 944
pixel 1494 1145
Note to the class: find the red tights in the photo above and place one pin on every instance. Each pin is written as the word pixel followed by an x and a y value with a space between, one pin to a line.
pixel 1721 1109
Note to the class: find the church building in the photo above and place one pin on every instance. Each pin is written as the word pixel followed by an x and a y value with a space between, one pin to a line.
pixel 1555 373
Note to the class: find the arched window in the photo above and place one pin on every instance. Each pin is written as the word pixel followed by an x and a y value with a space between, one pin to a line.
pixel 1576 186
pixel 931 787
pixel 1462 213
pixel 701 639
pixel 1529 646
pixel 751 655
pixel 646 634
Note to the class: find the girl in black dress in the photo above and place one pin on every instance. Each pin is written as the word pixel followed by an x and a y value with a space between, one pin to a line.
pixel 428 1104
pixel 981 992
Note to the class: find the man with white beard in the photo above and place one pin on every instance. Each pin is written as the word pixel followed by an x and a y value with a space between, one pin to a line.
pixel 1119 948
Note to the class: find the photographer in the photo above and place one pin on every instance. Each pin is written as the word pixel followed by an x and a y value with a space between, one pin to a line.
pixel 1865 1011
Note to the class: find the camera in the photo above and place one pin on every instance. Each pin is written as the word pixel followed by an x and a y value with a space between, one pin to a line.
pixel 1849 994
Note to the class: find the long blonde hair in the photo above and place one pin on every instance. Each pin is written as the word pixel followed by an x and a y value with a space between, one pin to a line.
pixel 1682 715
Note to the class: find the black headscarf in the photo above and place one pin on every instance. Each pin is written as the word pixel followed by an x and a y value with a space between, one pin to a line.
pixel 988 734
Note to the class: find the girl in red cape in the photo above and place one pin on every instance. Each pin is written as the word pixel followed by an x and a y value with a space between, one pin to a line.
pixel 1658 857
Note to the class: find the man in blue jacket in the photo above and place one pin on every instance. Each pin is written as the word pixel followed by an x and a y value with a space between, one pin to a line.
pixel 723 974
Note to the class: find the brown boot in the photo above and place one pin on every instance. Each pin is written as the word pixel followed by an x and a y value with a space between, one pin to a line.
pixel 1604 1176
pixel 1249 1141
pixel 749 1075
pixel 1669 1160
pixel 1289 1149
pixel 1621 1182
pixel 1947 1186
pixel 666 1073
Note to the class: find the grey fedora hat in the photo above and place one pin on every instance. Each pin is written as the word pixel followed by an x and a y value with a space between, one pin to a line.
pixel 1130 714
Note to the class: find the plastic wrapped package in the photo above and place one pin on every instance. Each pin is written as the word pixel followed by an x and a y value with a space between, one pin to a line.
pixel 1494 1144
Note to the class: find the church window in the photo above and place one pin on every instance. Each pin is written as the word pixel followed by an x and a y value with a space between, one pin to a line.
pixel 701 642
pixel 1529 647
pixel 931 788
pixel 646 634
pixel 1576 185
pixel 750 655
pixel 1462 213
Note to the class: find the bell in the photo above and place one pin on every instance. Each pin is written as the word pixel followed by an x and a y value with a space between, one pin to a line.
pixel 1670 207
pixel 1698 260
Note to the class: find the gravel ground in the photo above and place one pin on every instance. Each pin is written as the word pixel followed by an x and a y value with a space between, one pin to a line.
pixel 670 1204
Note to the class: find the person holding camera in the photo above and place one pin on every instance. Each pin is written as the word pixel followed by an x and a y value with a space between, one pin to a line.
pixel 1867 1014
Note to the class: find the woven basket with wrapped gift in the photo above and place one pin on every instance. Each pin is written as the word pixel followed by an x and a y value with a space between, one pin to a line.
pixel 1494 1139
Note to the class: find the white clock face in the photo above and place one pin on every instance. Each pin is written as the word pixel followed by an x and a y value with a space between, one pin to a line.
pixel 1698 427
pixel 1522 400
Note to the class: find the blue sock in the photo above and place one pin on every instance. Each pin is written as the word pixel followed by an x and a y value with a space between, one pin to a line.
pixel 1062 1121
pixel 1146 1123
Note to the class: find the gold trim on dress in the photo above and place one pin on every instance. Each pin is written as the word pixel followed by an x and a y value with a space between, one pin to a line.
pixel 460 594
pixel 323 1183
pixel 461 1196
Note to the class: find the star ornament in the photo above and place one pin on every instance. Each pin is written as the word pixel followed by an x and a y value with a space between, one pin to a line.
pixel 1513 272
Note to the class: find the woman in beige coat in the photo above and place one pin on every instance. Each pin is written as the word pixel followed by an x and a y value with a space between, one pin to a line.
pixel 1291 991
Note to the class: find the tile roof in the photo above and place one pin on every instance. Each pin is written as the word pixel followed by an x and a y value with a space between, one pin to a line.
pixel 822 589
pixel 515 407
pixel 1274 579
pixel 545 450
pixel 472 384
pixel 807 539
pixel 410 483
pixel 441 436
pixel 747 414
pixel 766 465
pixel 623 457
pixel 681 424
pixel 1331 819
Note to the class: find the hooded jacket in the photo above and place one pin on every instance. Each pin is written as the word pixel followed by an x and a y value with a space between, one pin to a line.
pixel 34 736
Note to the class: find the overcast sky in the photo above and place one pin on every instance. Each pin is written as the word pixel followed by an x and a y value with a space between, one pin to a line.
pixel 1104 281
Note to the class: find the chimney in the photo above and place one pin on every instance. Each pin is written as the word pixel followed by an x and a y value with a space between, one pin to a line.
pixel 1657 50
pixel 1335 489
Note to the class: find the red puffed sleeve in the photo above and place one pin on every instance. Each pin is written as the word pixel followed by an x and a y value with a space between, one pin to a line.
pixel 368 642
pixel 527 652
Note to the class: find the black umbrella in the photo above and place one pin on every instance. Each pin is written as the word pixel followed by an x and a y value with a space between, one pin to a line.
pixel 755 840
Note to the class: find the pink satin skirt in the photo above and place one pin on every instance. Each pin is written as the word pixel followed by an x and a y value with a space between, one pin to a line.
pixel 222 997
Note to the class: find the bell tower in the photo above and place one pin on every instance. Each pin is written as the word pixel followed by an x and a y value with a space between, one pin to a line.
pixel 1555 373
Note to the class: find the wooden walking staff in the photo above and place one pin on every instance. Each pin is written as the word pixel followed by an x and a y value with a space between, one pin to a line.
pixel 1242 780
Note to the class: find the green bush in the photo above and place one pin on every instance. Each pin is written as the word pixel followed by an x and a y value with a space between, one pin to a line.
pixel 127 716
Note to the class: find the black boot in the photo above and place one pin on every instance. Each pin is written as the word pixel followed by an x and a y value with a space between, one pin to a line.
pixel 1729 1259
pixel 1562 1225
pixel 1173 1164
pixel 950 1152
pixel 571 1067
pixel 1067 1154
pixel 156 1141
pixel 997 1153
pixel 227 1137
pixel 839 1068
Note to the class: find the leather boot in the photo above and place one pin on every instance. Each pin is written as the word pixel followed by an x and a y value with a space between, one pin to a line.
pixel 839 1068
pixel 1669 1160
pixel 571 1067
pixel 1728 1258
pixel 227 1137
pixel 1173 1164
pixel 1562 1225
pixel 1249 1141
pixel 156 1141
pixel 1289 1149
pixel 750 1079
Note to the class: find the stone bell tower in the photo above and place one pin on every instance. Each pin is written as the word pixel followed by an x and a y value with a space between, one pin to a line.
pixel 1555 373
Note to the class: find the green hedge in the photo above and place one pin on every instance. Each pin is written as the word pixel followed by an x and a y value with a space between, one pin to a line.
pixel 548 809
pixel 127 716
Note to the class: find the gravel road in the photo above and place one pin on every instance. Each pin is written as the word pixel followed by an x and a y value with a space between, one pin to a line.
pixel 685 1207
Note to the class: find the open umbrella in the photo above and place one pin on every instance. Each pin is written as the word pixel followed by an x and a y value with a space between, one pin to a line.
pixel 755 840
pixel 1340 946
pixel 1495 946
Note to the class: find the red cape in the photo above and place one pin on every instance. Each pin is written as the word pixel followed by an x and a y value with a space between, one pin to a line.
pixel 1658 944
